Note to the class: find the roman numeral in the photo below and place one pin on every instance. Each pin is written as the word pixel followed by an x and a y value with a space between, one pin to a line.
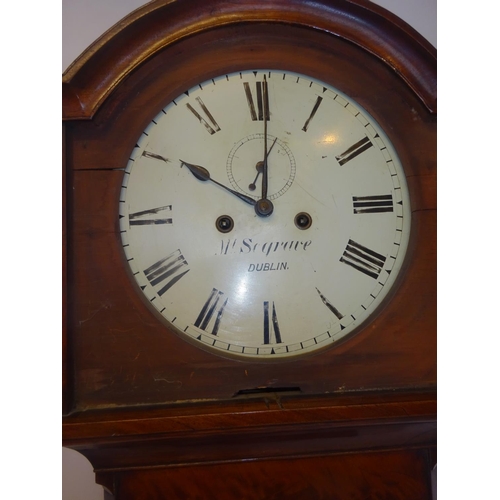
pixel 330 306
pixel 363 259
pixel 354 150
pixel 208 311
pixel 313 112
pixel 168 271
pixel 262 99
pixel 149 217
pixel 271 325
pixel 372 204
pixel 212 129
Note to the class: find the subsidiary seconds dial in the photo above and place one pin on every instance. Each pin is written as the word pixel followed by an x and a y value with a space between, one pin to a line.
pixel 264 214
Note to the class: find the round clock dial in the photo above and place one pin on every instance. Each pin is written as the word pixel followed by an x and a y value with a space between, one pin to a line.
pixel 264 214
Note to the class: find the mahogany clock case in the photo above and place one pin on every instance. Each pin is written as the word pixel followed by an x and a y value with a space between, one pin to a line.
pixel 117 351
pixel 157 416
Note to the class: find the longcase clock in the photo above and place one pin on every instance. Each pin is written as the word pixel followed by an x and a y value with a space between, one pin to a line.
pixel 249 252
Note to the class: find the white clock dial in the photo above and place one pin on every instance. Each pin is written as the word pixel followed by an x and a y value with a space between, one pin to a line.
pixel 264 214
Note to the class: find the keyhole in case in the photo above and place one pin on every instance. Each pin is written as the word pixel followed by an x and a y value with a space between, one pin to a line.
pixel 224 224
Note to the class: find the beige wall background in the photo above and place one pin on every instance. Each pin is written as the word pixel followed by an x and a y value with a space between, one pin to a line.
pixel 83 21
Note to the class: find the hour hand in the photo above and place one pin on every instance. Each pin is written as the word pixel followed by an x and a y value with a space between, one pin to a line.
pixel 202 174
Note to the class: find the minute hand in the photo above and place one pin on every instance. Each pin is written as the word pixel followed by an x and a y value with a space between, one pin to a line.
pixel 203 174
pixel 266 152
pixel 264 207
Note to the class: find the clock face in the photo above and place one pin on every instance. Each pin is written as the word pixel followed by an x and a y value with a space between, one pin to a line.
pixel 264 214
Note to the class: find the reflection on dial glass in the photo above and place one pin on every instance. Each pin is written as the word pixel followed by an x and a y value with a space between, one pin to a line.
pixel 264 214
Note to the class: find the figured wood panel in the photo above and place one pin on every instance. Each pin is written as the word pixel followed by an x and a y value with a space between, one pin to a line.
pixel 371 476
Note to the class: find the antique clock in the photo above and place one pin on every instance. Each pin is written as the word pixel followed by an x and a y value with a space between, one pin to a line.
pixel 249 252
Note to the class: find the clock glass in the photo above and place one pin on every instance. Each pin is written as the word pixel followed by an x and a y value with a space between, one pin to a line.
pixel 264 214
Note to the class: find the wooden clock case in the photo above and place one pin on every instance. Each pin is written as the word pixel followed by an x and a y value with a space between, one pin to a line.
pixel 160 418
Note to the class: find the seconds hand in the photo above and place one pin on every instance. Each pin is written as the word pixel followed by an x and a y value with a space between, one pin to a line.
pixel 260 167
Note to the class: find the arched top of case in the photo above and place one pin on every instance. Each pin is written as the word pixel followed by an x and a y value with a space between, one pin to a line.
pixel 92 77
